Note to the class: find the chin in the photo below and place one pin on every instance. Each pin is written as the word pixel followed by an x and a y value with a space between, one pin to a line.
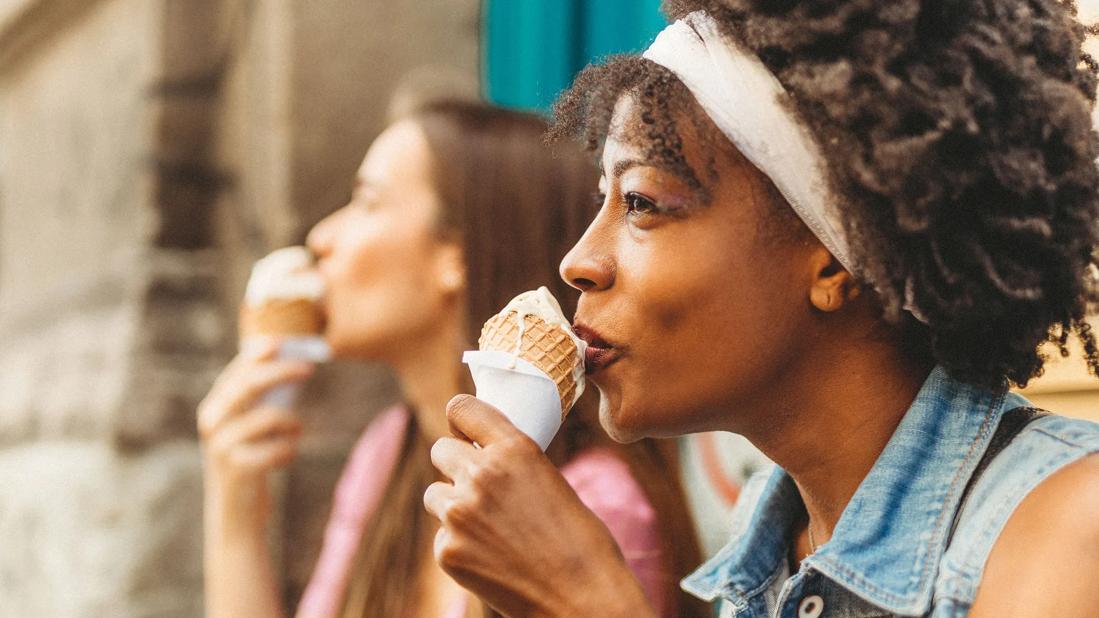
pixel 625 424
pixel 610 415
pixel 341 345
pixel 352 347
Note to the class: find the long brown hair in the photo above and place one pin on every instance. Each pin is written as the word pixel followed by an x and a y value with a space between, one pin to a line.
pixel 516 206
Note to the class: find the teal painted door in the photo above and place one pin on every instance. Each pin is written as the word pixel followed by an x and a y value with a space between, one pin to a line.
pixel 532 49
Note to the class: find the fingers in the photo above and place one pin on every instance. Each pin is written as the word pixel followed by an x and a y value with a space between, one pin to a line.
pixel 253 351
pixel 265 455
pixel 474 419
pixel 256 442
pixel 451 456
pixel 262 423
pixel 241 385
pixel 258 348
pixel 442 537
pixel 437 499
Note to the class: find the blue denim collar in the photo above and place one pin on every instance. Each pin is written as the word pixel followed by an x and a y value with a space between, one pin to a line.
pixel 888 542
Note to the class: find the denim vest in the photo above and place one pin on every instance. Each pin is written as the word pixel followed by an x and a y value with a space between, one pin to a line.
pixel 892 551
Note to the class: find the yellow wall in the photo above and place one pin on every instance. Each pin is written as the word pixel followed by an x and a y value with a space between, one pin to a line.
pixel 1066 388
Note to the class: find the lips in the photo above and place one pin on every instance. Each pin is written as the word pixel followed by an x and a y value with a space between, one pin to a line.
pixel 600 353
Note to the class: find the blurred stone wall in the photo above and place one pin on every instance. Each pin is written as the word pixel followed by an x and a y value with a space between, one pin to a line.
pixel 150 150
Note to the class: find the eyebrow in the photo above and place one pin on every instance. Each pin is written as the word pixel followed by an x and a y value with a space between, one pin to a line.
pixel 623 165
pixel 701 192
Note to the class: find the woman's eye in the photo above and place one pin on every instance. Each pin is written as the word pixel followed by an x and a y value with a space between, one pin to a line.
pixel 598 198
pixel 640 205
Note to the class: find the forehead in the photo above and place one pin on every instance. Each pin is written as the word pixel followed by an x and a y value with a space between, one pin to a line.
pixel 400 153
pixel 666 130
pixel 649 123
pixel 624 139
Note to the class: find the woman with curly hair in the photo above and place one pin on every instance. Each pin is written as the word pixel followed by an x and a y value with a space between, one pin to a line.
pixel 842 229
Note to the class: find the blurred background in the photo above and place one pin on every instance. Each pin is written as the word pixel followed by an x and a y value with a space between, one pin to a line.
pixel 150 151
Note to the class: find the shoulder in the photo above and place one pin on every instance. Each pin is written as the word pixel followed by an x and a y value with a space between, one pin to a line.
pixel 1019 508
pixel 371 463
pixel 604 482
pixel 380 442
pixel 1044 562
pixel 388 424
pixel 1060 512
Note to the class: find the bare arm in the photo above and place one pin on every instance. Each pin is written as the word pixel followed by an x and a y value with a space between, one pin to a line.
pixel 513 530
pixel 242 443
pixel 1046 561
pixel 239 575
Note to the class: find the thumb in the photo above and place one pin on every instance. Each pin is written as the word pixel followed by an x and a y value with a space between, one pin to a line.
pixel 476 421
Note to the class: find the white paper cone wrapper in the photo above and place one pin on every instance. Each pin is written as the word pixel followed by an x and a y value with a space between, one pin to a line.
pixel 308 348
pixel 526 395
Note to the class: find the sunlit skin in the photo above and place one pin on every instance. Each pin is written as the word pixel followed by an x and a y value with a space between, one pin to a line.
pixel 701 319
pixel 716 321
pixel 649 266
pixel 381 256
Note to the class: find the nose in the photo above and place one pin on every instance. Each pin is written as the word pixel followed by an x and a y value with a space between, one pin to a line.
pixel 321 237
pixel 589 266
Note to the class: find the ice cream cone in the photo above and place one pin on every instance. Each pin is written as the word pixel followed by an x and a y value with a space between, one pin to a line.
pixel 283 297
pixel 542 344
pixel 283 301
pixel 530 365
pixel 281 317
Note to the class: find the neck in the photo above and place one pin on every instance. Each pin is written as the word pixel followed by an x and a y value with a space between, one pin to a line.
pixel 832 424
pixel 430 372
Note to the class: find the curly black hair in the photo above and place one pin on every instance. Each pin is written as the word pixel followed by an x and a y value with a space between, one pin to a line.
pixel 958 136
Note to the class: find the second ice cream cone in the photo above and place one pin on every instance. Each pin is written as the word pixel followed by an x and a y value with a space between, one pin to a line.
pixel 281 317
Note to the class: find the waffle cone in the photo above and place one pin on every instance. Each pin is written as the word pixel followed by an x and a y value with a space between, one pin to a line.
pixel 294 316
pixel 546 346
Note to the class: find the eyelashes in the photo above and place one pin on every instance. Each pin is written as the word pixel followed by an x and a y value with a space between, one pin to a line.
pixel 638 206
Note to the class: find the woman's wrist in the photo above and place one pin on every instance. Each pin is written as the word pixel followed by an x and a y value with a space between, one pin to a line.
pixel 595 591
pixel 227 521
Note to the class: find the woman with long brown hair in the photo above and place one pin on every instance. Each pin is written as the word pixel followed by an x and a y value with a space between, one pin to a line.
pixel 457 208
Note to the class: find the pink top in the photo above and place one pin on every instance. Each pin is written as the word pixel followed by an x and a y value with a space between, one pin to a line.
pixel 601 480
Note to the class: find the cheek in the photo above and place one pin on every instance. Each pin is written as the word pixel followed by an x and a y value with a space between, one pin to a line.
pixel 706 311
pixel 360 258
pixel 684 288
pixel 378 284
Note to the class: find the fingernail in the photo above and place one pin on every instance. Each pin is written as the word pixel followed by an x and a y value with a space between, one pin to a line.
pixel 457 400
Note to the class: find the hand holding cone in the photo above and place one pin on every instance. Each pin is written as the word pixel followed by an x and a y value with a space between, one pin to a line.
pixel 283 300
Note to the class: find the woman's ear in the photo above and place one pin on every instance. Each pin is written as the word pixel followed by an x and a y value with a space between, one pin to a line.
pixel 450 268
pixel 832 286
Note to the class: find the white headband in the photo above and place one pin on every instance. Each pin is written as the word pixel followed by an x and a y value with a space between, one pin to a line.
pixel 744 100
